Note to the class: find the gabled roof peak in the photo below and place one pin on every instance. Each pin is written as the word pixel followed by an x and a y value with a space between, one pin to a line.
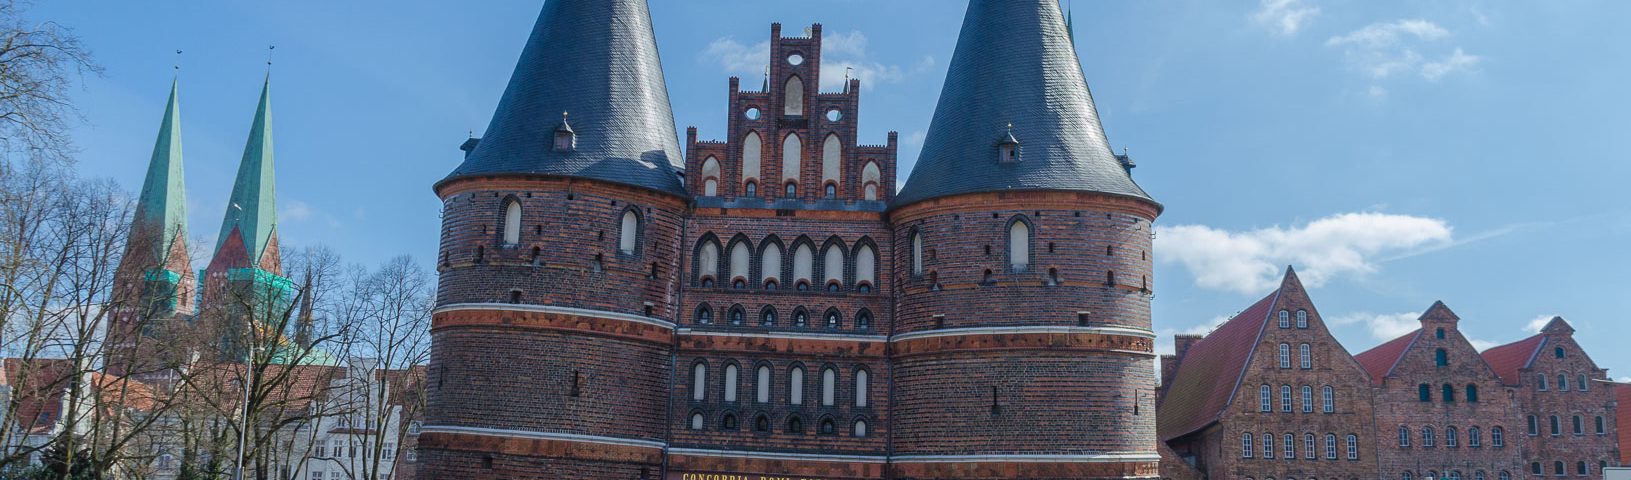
pixel 1558 326
pixel 1439 312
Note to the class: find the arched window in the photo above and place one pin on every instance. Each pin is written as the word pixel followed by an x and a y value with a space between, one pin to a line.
pixel 862 385
pixel 829 382
pixel 1497 437
pixel 1285 319
pixel 512 222
pixel 727 422
pixel 1534 426
pixel 1452 437
pixel 833 265
pixel 1308 399
pixel 1305 357
pixel 1448 393
pixel 1475 437
pixel 770 263
pixel 792 158
pixel 761 423
pixel 1405 476
pixel 803 264
pixel 1582 384
pixel 1428 439
pixel 917 253
pixel 710 176
pixel 1246 447
pixel 1264 401
pixel 767 317
pixel 1353 447
pixel 832 160
pixel 629 233
pixel 1580 468
pixel 1285 398
pixel 1424 392
pixel 741 260
pixel 1308 447
pixel 832 191
pixel 1472 393
pixel 834 319
pixel 730 383
pixel 1441 358
pixel 708 263
pixel 1505 475
pixel 1455 475
pixel 1556 429
pixel 762 384
pixel 1562 382
pixel 1534 468
pixel 827 427
pixel 699 381
pixel 750 189
pixel 1328 403
pixel 752 158
pixel 1302 319
pixel 1019 245
pixel 795 425
pixel 795 386
pixel 871 181
pixel 705 315
pixel 696 421
pixel 866 266
pixel 1601 426
pixel 738 317
pixel 793 104
pixel 1404 436
pixel 1557 468
pixel 1290 442
pixel 1579 427
pixel 1285 355
pixel 1439 333
pixel 1557 352
pixel 1478 475
pixel 801 318
pixel 1330 446
pixel 1545 382
pixel 863 320
pixel 859 430
pixel 1268 445
pixel 791 190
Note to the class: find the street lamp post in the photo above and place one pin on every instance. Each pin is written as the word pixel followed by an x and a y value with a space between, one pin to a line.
pixel 243 426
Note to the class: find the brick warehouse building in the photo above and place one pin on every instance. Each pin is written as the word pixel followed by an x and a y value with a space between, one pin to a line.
pixel 1536 408
pixel 771 306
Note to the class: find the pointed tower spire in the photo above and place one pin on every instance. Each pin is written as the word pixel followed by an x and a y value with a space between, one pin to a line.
pixel 161 211
pixel 251 215
pixel 597 59
pixel 1015 64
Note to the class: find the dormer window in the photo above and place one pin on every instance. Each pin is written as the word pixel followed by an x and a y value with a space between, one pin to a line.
pixel 566 140
pixel 1008 147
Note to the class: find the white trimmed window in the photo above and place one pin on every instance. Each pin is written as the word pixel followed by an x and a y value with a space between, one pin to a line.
pixel 861 388
pixel 730 383
pixel 762 384
pixel 829 383
pixel 512 222
pixel 1019 246
pixel 795 386
pixel 699 382
pixel 629 235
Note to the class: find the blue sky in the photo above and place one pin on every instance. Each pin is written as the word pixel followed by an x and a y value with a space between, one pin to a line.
pixel 1396 152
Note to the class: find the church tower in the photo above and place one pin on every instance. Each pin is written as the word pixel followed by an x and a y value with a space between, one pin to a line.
pixel 553 334
pixel 1022 345
pixel 154 283
pixel 244 281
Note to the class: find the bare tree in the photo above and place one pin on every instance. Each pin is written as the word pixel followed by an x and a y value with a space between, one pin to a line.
pixel 38 63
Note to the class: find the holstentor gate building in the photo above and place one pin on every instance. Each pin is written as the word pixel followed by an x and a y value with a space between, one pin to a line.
pixel 768 304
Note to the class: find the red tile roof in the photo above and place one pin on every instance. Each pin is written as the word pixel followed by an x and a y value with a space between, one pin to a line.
pixel 1380 361
pixel 1210 372
pixel 1508 359
pixel 1622 416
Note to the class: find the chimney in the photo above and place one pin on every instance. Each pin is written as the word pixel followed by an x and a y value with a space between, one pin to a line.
pixel 1182 342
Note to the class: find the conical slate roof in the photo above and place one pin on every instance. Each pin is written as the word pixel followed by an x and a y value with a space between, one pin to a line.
pixel 1015 64
pixel 252 210
pixel 596 61
pixel 161 211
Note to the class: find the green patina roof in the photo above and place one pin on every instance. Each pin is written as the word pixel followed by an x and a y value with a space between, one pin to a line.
pixel 253 206
pixel 162 206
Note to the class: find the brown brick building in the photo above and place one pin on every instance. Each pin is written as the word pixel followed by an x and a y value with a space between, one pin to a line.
pixel 1536 408
pixel 770 305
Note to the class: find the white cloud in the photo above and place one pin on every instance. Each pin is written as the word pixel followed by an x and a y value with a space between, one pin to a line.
pixel 1481 345
pixel 1284 17
pixel 1386 49
pixel 1538 323
pixel 1383 326
pixel 295 210
pixel 842 53
pixel 1249 262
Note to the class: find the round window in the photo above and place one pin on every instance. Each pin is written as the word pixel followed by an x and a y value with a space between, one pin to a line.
pixel 752 113
pixel 834 115
pixel 795 59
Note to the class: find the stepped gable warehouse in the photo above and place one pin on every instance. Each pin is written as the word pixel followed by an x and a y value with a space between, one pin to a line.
pixel 766 304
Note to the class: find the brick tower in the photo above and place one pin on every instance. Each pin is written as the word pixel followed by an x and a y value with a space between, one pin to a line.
pixel 553 336
pixel 1022 343
pixel 154 283
pixel 244 281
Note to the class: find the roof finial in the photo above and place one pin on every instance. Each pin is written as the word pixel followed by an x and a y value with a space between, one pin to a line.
pixel 269 49
pixel 178 62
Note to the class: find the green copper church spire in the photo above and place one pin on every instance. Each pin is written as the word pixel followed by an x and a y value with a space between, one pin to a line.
pixel 252 210
pixel 161 211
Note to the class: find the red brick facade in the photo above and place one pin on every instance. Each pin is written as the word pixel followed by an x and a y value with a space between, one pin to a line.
pixel 1426 405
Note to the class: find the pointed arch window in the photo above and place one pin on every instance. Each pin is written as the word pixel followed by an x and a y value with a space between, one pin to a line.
pixel 871 181
pixel 512 222
pixel 708 263
pixel 770 263
pixel 833 266
pixel 917 253
pixel 710 177
pixel 795 386
pixel 730 382
pixel 1019 245
pixel 752 159
pixel 793 100
pixel 803 266
pixel 629 233
pixel 767 317
pixel 792 158
pixel 832 160
pixel 761 384
pixel 699 381
pixel 741 258
pixel 829 385
pixel 705 315
pixel 863 320
pixel 866 266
